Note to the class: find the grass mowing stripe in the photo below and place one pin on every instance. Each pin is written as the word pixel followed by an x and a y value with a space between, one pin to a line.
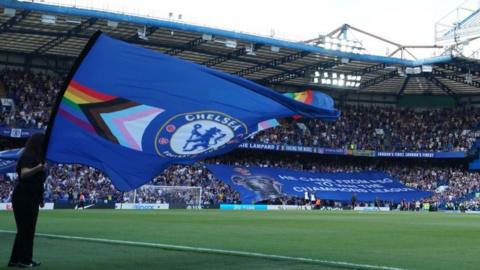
pixel 216 251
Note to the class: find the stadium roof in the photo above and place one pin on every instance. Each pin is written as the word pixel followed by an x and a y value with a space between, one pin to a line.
pixel 253 57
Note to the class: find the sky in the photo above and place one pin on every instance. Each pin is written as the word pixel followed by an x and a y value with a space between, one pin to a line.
pixel 408 22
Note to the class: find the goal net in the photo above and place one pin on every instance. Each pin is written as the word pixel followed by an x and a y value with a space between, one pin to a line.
pixel 176 196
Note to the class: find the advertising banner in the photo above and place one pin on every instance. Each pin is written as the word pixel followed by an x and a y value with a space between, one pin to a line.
pixel 18 132
pixel 345 152
pixel 141 206
pixel 8 207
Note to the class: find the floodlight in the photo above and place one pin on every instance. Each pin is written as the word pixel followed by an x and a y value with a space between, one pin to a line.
pixel 427 68
pixel 207 37
pixel 334 75
pixel 275 49
pixel 112 24
pixel 231 43
pixel 48 19
pixel 10 12
pixel 335 82
pixel 468 78
pixel 341 82
pixel 317 74
pixel 250 49
pixel 142 33
pixel 342 76
pixel 325 74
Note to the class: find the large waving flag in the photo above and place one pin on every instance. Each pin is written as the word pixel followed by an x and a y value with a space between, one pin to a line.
pixel 131 112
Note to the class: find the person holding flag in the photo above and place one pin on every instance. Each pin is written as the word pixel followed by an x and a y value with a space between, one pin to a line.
pixel 26 199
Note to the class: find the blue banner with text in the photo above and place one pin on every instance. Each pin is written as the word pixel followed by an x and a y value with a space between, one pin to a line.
pixel 347 152
pixel 259 184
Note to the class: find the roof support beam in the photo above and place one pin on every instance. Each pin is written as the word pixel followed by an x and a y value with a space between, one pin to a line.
pixel 44 33
pixel 148 32
pixel 235 54
pixel 278 78
pixel 199 50
pixel 455 78
pixel 272 64
pixel 219 58
pixel 61 38
pixel 14 20
pixel 23 65
pixel 378 79
pixel 442 86
pixel 369 69
pixel 404 85
pixel 460 68
pixel 44 56
pixel 187 46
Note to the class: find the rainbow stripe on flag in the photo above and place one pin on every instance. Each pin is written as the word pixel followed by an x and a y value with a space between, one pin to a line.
pixel 116 119
pixel 75 95
pixel 306 97
pixel 313 98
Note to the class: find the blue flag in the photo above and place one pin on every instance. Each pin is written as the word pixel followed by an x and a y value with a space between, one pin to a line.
pixel 8 160
pixel 7 166
pixel 258 184
pixel 12 154
pixel 131 112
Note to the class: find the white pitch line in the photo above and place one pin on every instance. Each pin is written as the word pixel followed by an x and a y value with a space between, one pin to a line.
pixel 215 251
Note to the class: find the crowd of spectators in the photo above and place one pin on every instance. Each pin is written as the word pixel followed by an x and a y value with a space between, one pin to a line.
pixel 359 127
pixel 384 129
pixel 33 95
pixel 66 182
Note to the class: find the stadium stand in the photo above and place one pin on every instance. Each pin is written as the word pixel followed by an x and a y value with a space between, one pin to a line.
pixel 378 114
pixel 361 127
pixel 384 129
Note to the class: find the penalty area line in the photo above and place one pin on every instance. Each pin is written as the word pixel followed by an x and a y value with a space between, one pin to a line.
pixel 214 251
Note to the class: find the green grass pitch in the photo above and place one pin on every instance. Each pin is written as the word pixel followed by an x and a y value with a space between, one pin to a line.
pixel 402 240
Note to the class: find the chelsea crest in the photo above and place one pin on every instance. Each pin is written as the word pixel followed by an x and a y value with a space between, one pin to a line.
pixel 191 134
